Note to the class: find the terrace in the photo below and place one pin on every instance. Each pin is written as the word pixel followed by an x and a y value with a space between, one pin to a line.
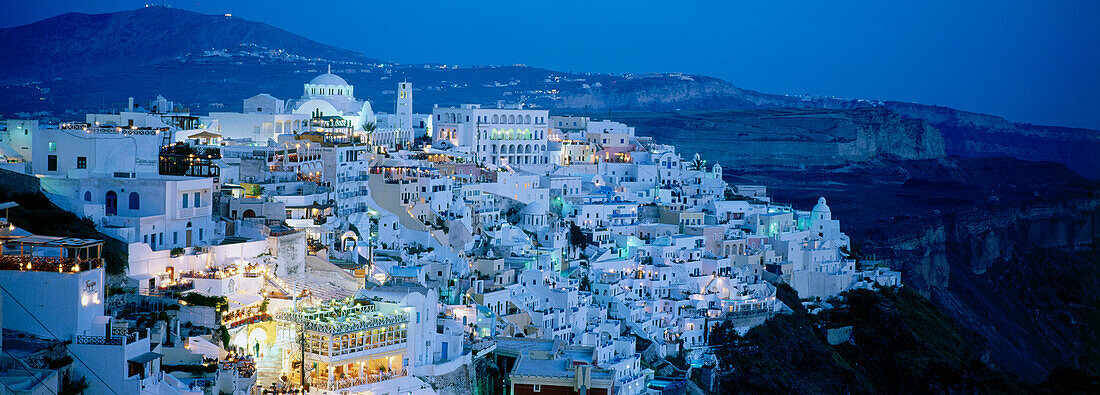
pixel 50 254
pixel 341 316
pixel 184 160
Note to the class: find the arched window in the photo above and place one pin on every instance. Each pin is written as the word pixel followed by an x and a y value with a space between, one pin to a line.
pixel 528 149
pixel 188 224
pixel 135 201
pixel 527 120
pixel 249 214
pixel 87 196
pixel 111 203
pixel 511 119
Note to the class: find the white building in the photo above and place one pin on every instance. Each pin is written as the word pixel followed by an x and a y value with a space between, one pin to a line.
pixel 496 136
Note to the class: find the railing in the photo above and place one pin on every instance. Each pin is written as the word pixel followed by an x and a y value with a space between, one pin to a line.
pixel 169 289
pixel 348 195
pixel 350 179
pixel 110 341
pixel 339 384
pixel 47 264
pixel 338 328
pixel 207 275
pixel 233 322
pixel 99 340
pixel 624 380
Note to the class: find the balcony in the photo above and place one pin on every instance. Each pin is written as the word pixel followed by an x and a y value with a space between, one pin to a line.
pixel 170 289
pixel 48 264
pixel 112 340
pixel 340 384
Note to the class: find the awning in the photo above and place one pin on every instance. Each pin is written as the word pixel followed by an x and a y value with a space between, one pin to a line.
pixel 147 357
pixel 141 276
pixel 245 299
pixel 204 135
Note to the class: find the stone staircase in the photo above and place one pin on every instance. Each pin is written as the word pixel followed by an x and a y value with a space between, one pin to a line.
pixel 269 368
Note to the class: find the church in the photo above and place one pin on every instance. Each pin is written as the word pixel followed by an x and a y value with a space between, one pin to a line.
pixel 328 95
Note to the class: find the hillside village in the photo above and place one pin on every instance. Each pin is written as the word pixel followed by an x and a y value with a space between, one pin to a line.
pixel 320 245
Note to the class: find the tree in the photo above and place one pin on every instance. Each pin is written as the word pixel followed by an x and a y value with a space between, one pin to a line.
pixel 586 283
pixel 697 164
pixel 255 190
pixel 576 236
pixel 369 127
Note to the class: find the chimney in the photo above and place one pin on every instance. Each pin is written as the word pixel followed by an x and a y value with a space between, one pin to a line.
pixel 130 105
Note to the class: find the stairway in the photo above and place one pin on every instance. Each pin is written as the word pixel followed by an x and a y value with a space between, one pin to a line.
pixel 269 368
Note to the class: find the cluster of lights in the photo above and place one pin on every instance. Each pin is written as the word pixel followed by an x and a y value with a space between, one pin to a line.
pixel 43 266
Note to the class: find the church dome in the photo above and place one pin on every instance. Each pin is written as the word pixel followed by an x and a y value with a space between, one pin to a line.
pixel 328 79
pixel 821 207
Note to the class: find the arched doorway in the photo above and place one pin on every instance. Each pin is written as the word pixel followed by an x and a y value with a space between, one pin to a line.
pixel 256 341
pixel 111 203
pixel 249 214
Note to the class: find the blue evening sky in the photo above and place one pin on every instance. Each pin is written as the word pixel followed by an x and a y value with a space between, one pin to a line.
pixel 1032 61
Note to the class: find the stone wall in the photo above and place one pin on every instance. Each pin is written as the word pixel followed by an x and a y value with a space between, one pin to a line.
pixel 12 182
pixel 458 381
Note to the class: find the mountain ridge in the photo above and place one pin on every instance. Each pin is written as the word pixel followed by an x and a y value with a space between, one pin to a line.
pixel 212 62
pixel 106 41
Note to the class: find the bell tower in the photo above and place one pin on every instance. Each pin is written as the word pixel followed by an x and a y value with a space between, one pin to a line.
pixel 404 105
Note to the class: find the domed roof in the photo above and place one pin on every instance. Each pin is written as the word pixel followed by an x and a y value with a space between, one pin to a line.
pixel 328 79
pixel 821 207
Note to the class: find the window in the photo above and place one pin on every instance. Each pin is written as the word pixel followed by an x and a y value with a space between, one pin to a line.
pixel 197 201
pixel 51 162
pixel 81 162
pixel 53 146
pixel 135 201
pixel 536 387
pixel 185 200
pixel 87 196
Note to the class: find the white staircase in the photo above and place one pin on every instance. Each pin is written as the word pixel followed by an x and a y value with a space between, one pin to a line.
pixel 269 368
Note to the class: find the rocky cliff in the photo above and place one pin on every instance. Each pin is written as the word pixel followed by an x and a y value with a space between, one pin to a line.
pixel 893 341
pixel 977 135
pixel 661 93
pixel 1022 277
pixel 1005 247
pixel 792 137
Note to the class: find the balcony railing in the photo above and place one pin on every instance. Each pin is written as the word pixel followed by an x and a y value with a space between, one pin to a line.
pixel 111 341
pixel 47 264
pixel 339 384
